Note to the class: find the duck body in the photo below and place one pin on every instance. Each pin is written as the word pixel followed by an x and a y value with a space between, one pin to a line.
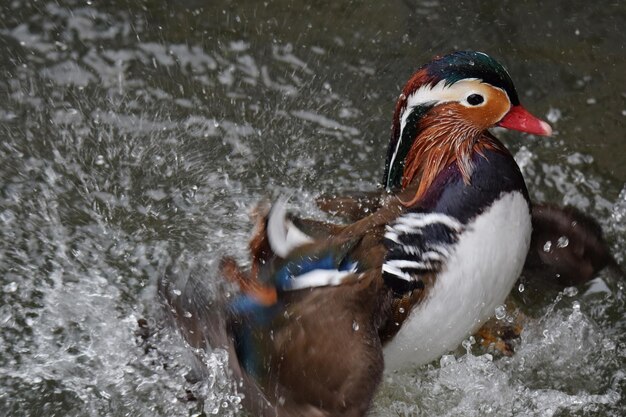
pixel 492 237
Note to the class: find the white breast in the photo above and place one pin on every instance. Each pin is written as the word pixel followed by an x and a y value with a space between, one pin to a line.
pixel 477 278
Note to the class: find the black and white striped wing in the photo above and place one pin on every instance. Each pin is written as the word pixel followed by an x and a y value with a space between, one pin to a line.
pixel 417 244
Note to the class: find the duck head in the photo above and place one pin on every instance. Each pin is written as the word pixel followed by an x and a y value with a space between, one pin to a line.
pixel 443 114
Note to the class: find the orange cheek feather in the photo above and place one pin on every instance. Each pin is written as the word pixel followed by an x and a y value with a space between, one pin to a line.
pixel 486 116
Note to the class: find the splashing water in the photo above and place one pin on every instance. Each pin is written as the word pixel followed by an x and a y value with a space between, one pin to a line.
pixel 131 137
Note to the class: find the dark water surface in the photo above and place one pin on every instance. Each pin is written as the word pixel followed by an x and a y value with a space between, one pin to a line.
pixel 133 133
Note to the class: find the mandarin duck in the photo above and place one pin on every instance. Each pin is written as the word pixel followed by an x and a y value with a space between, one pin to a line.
pixel 325 306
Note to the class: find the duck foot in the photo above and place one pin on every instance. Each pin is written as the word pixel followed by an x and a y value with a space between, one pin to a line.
pixel 501 335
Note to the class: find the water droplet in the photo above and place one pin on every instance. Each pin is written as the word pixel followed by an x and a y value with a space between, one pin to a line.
pixel 562 242
pixel 99 160
pixel 520 288
pixel 401 310
pixel 547 246
pixel 447 360
pixel 500 312
pixel 10 287
pixel 553 115
pixel 608 344
pixel 176 292
pixel 570 291
pixel 355 326
pixel 576 306
pixel 187 314
pixel 467 344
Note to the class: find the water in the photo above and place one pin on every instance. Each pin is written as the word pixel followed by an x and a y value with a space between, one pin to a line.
pixel 137 133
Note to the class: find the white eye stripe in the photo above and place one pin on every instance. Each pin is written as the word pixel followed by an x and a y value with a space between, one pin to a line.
pixel 441 92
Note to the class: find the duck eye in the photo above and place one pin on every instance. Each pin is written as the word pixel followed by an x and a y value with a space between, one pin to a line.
pixel 475 99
